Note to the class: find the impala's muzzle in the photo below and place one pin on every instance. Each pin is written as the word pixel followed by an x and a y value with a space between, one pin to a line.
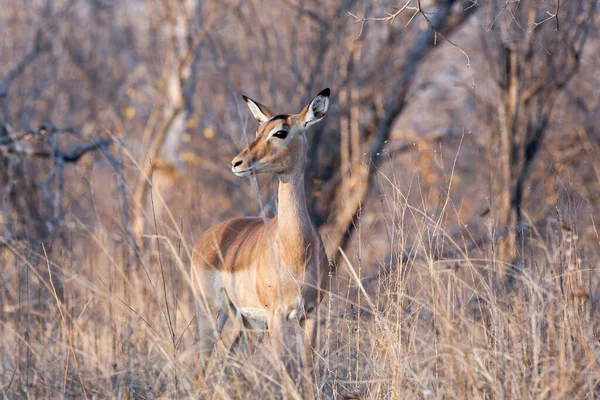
pixel 243 164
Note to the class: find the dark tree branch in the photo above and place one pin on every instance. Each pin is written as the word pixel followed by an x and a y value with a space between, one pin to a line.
pixel 117 165
pixel 40 46
pixel 68 157
pixel 447 18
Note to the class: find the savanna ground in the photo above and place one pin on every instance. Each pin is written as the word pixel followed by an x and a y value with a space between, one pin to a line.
pixel 459 205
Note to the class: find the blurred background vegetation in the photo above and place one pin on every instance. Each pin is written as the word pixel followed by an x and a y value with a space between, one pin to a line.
pixel 457 174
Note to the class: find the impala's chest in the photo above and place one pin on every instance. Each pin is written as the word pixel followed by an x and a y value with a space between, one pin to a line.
pixel 283 267
pixel 272 281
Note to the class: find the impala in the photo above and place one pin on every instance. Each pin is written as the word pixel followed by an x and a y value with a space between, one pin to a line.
pixel 265 271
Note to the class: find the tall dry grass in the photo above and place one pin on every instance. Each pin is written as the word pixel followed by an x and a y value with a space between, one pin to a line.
pixel 83 320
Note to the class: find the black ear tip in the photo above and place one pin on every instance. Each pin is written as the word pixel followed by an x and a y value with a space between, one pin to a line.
pixel 325 92
pixel 246 98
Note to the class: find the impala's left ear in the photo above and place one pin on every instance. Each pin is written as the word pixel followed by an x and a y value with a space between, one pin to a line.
pixel 261 112
pixel 316 109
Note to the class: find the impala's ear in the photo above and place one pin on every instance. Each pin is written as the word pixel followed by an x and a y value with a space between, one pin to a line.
pixel 261 113
pixel 316 109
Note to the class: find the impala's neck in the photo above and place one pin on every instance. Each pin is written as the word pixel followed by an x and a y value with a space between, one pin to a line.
pixel 293 221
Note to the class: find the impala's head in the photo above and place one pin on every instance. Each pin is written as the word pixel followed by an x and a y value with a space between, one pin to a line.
pixel 280 143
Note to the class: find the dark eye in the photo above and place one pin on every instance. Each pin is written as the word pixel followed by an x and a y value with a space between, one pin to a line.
pixel 280 134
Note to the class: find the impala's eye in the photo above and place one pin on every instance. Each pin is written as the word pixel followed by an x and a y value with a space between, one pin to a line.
pixel 280 134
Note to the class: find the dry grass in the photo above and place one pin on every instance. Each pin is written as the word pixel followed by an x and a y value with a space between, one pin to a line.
pixel 81 317
pixel 84 321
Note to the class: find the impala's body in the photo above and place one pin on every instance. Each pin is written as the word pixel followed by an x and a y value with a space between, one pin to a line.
pixel 265 270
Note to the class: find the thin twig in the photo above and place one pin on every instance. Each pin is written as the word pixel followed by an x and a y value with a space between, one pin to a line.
pixel 550 17
pixel 436 32
pixel 391 17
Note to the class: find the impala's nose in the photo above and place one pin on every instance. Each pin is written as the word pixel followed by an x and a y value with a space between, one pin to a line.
pixel 238 168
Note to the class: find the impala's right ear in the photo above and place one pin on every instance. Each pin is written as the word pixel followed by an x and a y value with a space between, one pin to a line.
pixel 316 109
pixel 261 113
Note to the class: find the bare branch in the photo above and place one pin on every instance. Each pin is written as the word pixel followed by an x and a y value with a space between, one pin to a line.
pixel 417 10
pixel 339 231
pixel 464 53
pixel 391 17
pixel 70 157
pixel 550 17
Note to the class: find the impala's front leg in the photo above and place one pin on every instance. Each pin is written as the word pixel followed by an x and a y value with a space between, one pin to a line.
pixel 310 325
pixel 243 327
pixel 211 303
pixel 205 339
pixel 209 333
pixel 276 334
pixel 307 342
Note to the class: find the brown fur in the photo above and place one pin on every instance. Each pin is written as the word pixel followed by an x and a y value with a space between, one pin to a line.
pixel 268 270
pixel 275 268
